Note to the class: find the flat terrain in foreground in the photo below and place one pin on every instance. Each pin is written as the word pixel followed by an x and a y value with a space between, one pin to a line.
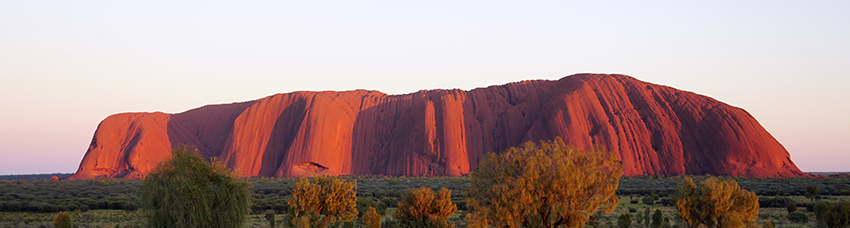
pixel 112 202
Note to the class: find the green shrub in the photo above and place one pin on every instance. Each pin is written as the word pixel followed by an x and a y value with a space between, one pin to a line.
pixel 390 201
pixel 798 217
pixel 657 219
pixel 365 202
pixel 624 220
pixel 833 215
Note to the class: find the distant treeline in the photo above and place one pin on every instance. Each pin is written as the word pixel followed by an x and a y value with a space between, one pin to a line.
pixel 35 176
pixel 380 192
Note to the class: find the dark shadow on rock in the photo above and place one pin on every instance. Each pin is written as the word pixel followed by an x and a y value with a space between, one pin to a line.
pixel 284 132
pixel 206 128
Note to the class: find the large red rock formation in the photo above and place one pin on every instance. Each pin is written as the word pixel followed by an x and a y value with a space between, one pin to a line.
pixel 653 129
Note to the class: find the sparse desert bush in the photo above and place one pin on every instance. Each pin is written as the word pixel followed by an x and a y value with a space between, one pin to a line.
pixel 798 217
pixel 648 200
pixel 667 201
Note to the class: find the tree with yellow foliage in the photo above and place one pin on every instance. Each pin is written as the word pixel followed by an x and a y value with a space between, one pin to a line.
pixel 422 208
pixel 325 200
pixel 62 220
pixel 716 203
pixel 371 218
pixel 543 185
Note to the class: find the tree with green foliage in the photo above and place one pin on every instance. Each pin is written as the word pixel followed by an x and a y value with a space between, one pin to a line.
pixel 323 201
pixel 371 218
pixel 62 220
pixel 833 215
pixel 624 220
pixel 657 219
pixel 187 191
pixel 716 203
pixel 820 208
pixel 270 218
pixel 543 185
pixel 423 208
pixel 812 191
pixel 646 217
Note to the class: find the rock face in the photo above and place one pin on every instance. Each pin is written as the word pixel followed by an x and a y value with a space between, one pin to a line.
pixel 653 129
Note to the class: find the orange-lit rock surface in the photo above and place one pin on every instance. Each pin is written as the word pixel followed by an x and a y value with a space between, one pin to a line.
pixel 653 129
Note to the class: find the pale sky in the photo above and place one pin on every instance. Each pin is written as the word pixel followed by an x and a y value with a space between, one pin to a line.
pixel 66 65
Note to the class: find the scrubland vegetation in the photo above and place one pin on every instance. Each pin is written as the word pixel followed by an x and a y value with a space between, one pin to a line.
pixel 527 186
pixel 383 193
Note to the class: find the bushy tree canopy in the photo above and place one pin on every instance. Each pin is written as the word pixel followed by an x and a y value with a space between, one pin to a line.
pixel 326 200
pixel 717 203
pixel 371 218
pixel 186 191
pixel 422 208
pixel 543 185
pixel 812 191
pixel 833 215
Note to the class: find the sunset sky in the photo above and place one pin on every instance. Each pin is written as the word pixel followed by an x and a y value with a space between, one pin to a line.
pixel 66 65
